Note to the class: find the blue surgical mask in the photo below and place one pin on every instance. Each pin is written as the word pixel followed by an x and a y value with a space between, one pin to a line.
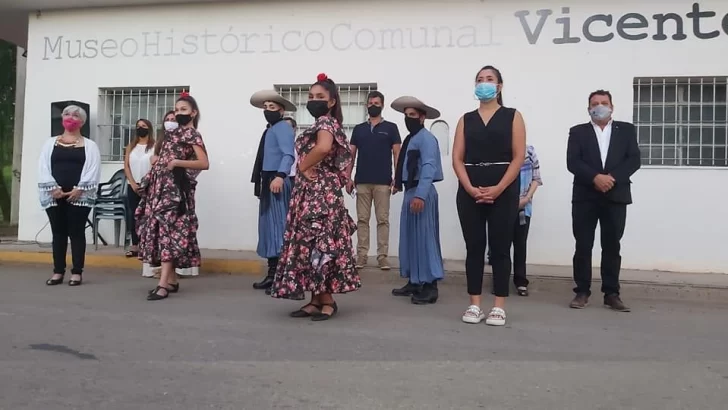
pixel 486 91
pixel 600 112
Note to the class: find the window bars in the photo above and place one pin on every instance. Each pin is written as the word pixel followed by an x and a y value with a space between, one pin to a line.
pixel 121 108
pixel 682 121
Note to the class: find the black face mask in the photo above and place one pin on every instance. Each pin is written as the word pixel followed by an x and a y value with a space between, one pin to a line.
pixel 317 108
pixel 374 111
pixel 183 119
pixel 272 117
pixel 413 124
pixel 142 132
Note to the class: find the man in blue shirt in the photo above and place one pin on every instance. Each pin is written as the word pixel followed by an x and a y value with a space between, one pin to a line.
pixel 377 143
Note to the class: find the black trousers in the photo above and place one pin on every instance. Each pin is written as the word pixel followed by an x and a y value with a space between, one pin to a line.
pixel 68 221
pixel 520 240
pixel 484 224
pixel 132 202
pixel 612 218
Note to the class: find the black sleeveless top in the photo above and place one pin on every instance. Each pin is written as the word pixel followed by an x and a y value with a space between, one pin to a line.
pixel 67 165
pixel 488 143
pixel 492 142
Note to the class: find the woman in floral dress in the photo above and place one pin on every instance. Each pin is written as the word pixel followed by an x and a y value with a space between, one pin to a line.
pixel 166 219
pixel 317 254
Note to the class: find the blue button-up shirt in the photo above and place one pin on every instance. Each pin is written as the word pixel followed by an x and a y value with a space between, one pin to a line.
pixel 429 166
pixel 278 151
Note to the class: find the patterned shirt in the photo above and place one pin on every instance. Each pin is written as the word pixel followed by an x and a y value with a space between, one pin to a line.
pixel 530 172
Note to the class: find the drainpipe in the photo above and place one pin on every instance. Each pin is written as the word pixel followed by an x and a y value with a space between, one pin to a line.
pixel 18 134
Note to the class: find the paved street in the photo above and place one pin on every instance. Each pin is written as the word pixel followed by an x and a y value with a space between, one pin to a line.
pixel 220 345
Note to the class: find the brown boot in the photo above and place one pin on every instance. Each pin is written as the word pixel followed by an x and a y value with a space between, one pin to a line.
pixel 580 301
pixel 614 302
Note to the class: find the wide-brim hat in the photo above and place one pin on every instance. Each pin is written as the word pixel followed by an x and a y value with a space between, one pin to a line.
pixel 402 103
pixel 260 97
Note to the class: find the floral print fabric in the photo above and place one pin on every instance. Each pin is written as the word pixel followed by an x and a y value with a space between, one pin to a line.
pixel 168 231
pixel 317 254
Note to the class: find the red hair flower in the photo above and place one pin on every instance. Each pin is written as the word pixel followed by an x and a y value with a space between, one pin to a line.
pixel 184 94
pixel 321 77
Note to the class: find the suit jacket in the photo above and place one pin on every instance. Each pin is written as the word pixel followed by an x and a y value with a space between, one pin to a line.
pixel 583 159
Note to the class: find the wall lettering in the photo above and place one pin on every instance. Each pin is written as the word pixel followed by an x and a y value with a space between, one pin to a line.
pixel 602 28
pixel 340 37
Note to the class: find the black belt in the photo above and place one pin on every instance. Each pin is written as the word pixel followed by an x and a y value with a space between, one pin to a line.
pixel 410 185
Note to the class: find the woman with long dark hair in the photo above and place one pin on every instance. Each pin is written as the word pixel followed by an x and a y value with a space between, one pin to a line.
pixel 488 152
pixel 137 163
pixel 317 254
pixel 166 215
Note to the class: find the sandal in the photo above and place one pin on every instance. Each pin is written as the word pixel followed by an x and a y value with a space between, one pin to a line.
pixel 473 315
pixel 157 296
pixel 301 313
pixel 496 317
pixel 173 288
pixel 132 254
pixel 321 316
pixel 522 291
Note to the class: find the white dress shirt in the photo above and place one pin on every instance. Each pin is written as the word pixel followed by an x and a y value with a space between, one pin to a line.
pixel 603 138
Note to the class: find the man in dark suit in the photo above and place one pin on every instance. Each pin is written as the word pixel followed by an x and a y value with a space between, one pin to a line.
pixel 602 154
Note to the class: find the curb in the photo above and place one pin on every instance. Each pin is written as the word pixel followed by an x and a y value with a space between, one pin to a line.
pixel 209 266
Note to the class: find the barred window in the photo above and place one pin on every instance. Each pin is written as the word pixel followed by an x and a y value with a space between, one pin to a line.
pixel 121 108
pixel 682 121
pixel 353 103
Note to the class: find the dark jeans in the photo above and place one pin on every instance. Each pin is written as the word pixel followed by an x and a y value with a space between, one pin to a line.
pixel 611 217
pixel 68 221
pixel 498 219
pixel 132 202
pixel 520 238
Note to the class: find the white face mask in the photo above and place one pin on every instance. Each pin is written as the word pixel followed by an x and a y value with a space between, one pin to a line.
pixel 170 125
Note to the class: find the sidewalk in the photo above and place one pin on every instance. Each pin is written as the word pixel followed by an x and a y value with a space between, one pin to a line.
pixel 248 263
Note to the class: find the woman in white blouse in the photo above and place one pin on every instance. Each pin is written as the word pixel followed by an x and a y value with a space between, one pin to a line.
pixel 137 163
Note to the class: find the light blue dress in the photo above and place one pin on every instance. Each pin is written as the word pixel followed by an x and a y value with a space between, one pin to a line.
pixel 420 254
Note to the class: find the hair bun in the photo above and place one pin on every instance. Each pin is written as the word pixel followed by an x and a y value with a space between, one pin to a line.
pixel 322 77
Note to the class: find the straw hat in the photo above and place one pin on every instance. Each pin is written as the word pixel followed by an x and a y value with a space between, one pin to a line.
pixel 402 103
pixel 260 97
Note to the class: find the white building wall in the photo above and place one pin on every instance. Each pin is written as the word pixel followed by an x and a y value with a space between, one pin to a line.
pixel 676 221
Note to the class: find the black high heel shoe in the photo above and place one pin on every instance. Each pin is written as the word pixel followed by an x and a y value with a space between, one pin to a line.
pixel 54 282
pixel 171 289
pixel 75 282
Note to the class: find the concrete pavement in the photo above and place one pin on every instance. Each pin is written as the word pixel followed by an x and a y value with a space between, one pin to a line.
pixel 218 344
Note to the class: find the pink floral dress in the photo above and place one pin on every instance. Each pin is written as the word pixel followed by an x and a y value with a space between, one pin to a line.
pixel 166 219
pixel 317 254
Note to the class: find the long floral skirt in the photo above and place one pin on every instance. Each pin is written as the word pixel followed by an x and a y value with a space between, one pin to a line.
pixel 317 254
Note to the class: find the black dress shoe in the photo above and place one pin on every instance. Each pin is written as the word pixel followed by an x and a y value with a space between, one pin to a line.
pixel 54 282
pixel 264 284
pixel 76 282
pixel 427 295
pixel 407 290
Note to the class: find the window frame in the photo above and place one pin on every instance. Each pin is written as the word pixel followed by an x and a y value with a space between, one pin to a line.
pixel 675 102
pixel 111 121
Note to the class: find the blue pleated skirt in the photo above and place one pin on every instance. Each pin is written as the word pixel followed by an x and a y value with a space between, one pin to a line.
pixel 420 254
pixel 272 212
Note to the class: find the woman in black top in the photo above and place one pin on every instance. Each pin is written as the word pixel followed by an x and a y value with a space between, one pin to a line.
pixel 69 173
pixel 488 152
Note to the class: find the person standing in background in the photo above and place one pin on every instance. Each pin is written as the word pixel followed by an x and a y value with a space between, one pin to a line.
pixel 376 142
pixel 602 154
pixel 271 178
pixel 530 181
pixel 137 163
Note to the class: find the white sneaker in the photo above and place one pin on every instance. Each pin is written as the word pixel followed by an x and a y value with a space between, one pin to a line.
pixel 496 317
pixel 473 315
